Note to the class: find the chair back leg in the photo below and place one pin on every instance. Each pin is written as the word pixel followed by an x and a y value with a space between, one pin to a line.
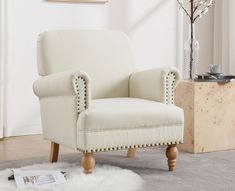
pixel 54 152
pixel 131 153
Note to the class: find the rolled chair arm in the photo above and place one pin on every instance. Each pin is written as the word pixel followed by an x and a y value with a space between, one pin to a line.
pixel 156 84
pixel 65 84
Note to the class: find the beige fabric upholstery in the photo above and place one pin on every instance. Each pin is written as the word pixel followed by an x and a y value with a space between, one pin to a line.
pixel 128 122
pixel 59 116
pixel 92 99
pixel 59 84
pixel 62 97
pixel 105 55
pixel 128 113
pixel 156 85
pixel 123 139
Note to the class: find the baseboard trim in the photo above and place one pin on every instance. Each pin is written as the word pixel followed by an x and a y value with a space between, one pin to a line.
pixel 23 130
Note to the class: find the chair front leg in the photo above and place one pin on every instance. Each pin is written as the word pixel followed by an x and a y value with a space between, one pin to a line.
pixel 54 152
pixel 131 153
pixel 88 163
pixel 171 153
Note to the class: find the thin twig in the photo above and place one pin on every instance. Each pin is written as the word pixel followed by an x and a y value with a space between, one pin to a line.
pixel 181 5
pixel 203 11
pixel 196 18
pixel 197 6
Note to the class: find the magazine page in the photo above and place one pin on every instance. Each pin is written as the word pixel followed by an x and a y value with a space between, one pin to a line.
pixel 38 178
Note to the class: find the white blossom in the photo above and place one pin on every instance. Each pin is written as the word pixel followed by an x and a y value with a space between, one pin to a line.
pixel 200 7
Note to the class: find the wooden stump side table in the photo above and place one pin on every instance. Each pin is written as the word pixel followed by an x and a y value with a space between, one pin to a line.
pixel 209 115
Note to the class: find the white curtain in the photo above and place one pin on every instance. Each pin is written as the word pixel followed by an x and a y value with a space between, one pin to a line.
pixel 2 63
pixel 224 37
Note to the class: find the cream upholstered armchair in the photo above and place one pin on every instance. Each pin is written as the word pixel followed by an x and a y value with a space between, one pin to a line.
pixel 92 99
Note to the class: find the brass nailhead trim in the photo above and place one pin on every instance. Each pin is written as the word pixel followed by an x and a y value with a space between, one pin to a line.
pixel 78 90
pixel 131 146
pixel 167 93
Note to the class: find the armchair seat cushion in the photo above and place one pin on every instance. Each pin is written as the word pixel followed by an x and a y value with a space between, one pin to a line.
pixel 116 123
pixel 128 113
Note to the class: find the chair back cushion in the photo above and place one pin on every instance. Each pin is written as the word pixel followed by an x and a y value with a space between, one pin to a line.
pixel 105 56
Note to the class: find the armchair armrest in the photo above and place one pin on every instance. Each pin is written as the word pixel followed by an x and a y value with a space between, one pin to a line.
pixel 157 84
pixel 67 83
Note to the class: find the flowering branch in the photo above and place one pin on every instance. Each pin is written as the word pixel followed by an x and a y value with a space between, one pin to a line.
pixel 181 6
pixel 197 9
pixel 199 3
pixel 204 10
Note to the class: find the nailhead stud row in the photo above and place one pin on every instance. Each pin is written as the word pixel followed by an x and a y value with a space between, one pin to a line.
pixel 131 146
pixel 170 81
pixel 78 92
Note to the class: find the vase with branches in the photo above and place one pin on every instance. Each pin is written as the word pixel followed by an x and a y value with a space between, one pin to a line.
pixel 194 10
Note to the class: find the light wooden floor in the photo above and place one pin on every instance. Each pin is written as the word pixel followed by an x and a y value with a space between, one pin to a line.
pixel 14 148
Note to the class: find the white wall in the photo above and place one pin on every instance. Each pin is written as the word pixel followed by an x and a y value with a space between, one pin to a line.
pixel 152 28
pixel 150 24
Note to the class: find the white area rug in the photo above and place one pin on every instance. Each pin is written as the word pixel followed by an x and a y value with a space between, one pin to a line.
pixel 104 178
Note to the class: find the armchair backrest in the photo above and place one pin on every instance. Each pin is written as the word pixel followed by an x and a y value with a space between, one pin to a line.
pixel 105 56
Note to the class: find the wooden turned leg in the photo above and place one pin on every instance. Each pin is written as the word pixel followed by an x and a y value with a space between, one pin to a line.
pixel 88 162
pixel 54 152
pixel 171 154
pixel 131 153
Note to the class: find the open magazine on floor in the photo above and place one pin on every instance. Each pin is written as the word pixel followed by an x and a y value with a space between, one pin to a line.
pixel 37 178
